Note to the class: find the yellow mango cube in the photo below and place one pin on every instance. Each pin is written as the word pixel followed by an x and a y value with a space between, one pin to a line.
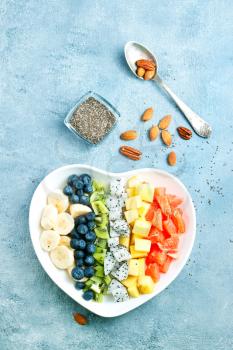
pixel 142 245
pixel 136 254
pixel 145 284
pixel 142 266
pixel 142 211
pixel 133 267
pixel 133 202
pixel 130 281
pixel 141 227
pixel 133 182
pixel 131 215
pixel 124 241
pixel 131 192
pixel 132 240
pixel 133 292
pixel 146 192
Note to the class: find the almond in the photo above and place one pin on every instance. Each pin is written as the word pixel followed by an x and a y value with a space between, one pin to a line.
pixel 80 319
pixel 148 114
pixel 166 137
pixel 146 64
pixel 171 159
pixel 149 74
pixel 140 71
pixel 165 121
pixel 184 133
pixel 129 135
pixel 153 132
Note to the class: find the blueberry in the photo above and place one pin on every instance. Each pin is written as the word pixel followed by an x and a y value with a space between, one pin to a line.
pixel 88 188
pixel 89 260
pixel 85 200
pixel 91 248
pixel 74 243
pixel 71 179
pixel 77 273
pixel 82 229
pixel 79 262
pixel 80 192
pixel 91 225
pixel 68 190
pixel 81 244
pixel 75 235
pixel 74 199
pixel 78 185
pixel 90 216
pixel 90 237
pixel 80 220
pixel 79 254
pixel 86 179
pixel 89 272
pixel 88 295
pixel 79 285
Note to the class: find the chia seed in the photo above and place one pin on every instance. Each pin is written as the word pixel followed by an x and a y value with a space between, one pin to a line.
pixel 92 120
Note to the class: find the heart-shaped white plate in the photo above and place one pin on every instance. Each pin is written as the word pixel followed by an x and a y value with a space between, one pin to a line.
pixel 57 179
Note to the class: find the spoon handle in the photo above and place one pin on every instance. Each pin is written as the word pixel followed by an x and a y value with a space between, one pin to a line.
pixel 201 127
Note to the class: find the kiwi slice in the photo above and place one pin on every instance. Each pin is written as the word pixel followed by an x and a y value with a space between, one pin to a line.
pixel 96 280
pixel 99 257
pixel 102 233
pixel 102 243
pixel 103 222
pixel 107 280
pixel 99 207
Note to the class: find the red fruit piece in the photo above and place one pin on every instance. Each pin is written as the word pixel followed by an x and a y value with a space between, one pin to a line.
pixel 160 191
pixel 156 256
pixel 174 201
pixel 178 221
pixel 153 271
pixel 164 268
pixel 171 243
pixel 169 227
pixel 157 219
pixel 156 236
pixel 164 205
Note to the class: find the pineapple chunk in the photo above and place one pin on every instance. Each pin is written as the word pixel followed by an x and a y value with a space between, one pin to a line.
pixel 133 236
pixel 133 291
pixel 133 267
pixel 131 215
pixel 142 245
pixel 142 211
pixel 131 192
pixel 146 192
pixel 133 181
pixel 141 227
pixel 124 241
pixel 131 281
pixel 137 254
pixel 145 284
pixel 142 266
pixel 134 202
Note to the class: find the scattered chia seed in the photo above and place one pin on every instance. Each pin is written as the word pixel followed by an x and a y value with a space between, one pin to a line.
pixel 92 120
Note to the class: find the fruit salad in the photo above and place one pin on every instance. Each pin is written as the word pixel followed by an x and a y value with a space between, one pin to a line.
pixel 112 239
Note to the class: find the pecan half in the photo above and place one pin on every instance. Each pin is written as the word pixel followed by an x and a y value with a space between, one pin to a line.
pixel 130 152
pixel 184 133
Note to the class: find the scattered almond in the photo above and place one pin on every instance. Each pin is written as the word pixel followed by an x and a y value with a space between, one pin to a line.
pixel 166 137
pixel 146 64
pixel 153 132
pixel 171 159
pixel 129 135
pixel 149 74
pixel 148 114
pixel 80 319
pixel 140 71
pixel 184 133
pixel 165 121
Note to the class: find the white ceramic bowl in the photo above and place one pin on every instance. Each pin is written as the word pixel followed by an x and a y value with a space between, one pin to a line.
pixel 57 179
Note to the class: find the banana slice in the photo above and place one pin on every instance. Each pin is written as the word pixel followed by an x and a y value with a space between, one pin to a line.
pixel 69 270
pixel 49 240
pixel 65 240
pixel 65 224
pixel 49 217
pixel 59 200
pixel 79 209
pixel 62 257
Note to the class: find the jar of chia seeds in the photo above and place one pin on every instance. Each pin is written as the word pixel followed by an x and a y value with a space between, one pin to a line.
pixel 92 118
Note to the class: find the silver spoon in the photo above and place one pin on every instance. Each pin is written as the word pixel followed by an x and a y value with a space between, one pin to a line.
pixel 135 51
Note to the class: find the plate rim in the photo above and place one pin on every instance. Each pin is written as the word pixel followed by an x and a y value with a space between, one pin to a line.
pixel 82 302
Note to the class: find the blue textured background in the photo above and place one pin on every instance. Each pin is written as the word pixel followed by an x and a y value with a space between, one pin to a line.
pixel 52 52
